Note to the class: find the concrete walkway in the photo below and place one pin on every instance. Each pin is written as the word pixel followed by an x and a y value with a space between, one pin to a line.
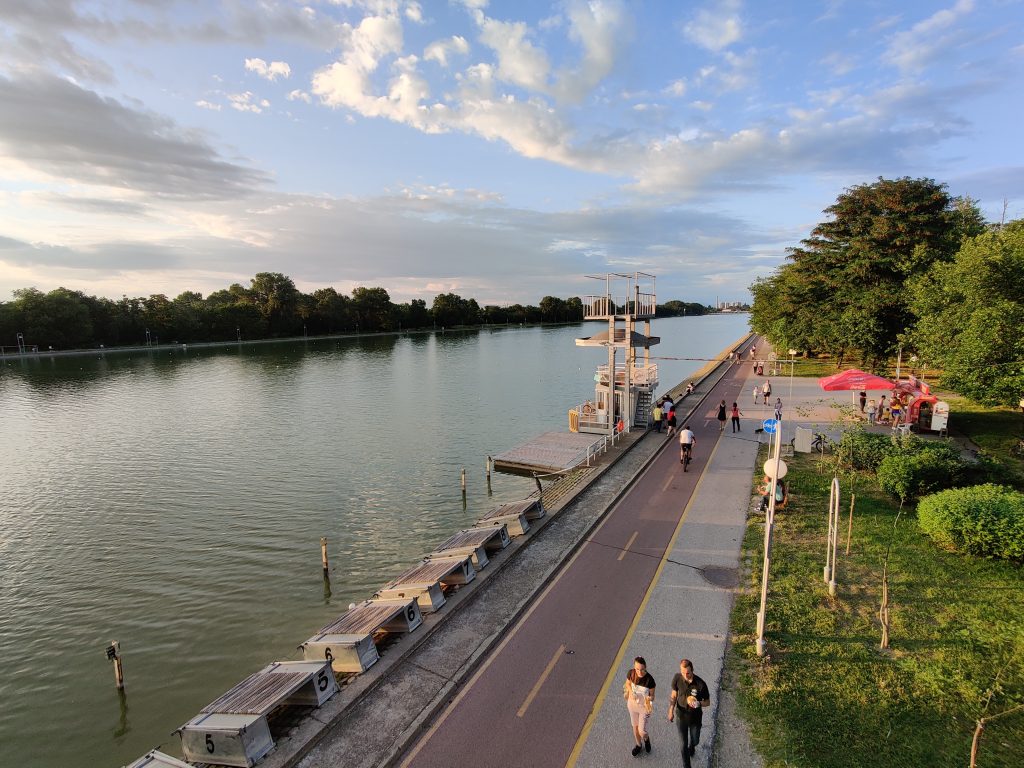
pixel 686 614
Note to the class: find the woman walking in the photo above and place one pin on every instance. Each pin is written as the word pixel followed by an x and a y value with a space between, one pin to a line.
pixel 721 416
pixel 736 413
pixel 638 691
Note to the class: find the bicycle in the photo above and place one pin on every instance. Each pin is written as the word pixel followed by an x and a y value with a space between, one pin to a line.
pixel 685 455
pixel 821 442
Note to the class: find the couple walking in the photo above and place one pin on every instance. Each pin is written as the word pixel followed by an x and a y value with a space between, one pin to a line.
pixel 688 695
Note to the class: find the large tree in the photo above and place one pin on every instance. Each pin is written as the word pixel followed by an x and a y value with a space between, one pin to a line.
pixel 844 288
pixel 971 314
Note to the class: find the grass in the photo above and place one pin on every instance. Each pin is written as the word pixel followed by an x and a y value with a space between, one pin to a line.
pixel 825 695
pixel 997 431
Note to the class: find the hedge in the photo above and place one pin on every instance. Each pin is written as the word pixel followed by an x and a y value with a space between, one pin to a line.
pixel 985 520
pixel 925 469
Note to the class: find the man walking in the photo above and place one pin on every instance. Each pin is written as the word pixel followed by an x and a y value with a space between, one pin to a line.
pixel 687 699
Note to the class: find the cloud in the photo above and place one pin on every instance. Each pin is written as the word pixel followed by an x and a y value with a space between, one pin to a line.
pixel 204 104
pixel 72 134
pixel 715 28
pixel 914 49
pixel 247 102
pixel 439 50
pixel 299 95
pixel 404 242
pixel 271 71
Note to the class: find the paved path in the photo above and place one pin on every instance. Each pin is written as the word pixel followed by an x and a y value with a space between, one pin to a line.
pixel 531 700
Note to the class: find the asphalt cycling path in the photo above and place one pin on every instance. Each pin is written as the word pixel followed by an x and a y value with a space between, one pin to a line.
pixel 529 701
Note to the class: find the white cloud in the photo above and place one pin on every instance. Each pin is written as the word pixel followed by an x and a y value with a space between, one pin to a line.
pixel 520 62
pixel 299 95
pixel 439 50
pixel 204 104
pixel 243 102
pixel 414 12
pixel 914 49
pixel 676 88
pixel 717 27
pixel 271 71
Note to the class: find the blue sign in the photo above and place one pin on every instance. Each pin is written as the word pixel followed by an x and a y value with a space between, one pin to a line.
pixel 769 425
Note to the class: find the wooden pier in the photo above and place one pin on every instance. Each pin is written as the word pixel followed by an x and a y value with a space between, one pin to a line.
pixel 548 453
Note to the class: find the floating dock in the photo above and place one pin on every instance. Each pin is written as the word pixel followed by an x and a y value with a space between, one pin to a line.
pixel 548 453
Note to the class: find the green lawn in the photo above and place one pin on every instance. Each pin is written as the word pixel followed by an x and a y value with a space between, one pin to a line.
pixel 826 695
pixel 998 431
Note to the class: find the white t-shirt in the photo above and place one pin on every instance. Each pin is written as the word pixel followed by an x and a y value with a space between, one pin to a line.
pixel 686 437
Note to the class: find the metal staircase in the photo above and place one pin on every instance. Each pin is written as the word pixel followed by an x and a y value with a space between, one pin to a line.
pixel 642 417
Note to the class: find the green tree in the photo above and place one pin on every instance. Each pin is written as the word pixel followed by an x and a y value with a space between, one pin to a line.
pixel 552 309
pixel 373 309
pixel 971 312
pixel 58 319
pixel 276 298
pixel 844 288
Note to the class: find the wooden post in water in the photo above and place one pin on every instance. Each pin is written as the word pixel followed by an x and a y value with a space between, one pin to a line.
pixel 114 655
pixel 463 480
pixel 490 464
pixel 323 557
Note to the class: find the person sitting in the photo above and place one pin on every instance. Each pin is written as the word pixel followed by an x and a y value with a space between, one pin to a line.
pixel 689 388
pixel 780 494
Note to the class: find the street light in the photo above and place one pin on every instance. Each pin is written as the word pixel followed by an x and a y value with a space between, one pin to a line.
pixel 792 362
pixel 238 332
pixel 775 468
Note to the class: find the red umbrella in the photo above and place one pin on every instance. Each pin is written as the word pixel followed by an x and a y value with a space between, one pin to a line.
pixel 854 379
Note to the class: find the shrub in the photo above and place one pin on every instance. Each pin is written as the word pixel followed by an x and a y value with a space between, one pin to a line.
pixel 928 468
pixel 985 520
pixel 864 450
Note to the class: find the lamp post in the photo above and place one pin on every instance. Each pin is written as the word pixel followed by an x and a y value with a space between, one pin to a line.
pixel 238 333
pixel 792 362
pixel 776 469
pixel 899 359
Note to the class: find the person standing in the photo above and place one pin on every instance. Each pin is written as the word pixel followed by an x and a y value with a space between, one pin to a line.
pixel 671 420
pixel 638 691
pixel 778 409
pixel 721 416
pixel 657 416
pixel 736 413
pixel 766 390
pixel 757 393
pixel 863 400
pixel 687 699
pixel 872 406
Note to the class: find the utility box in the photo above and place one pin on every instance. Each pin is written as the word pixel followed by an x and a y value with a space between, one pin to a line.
pixel 156 759
pixel 427 581
pixel 233 730
pixel 348 642
pixel 224 739
pixel 803 440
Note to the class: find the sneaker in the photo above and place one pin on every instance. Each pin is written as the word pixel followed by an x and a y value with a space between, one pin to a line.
pixel 647 746
pixel 636 750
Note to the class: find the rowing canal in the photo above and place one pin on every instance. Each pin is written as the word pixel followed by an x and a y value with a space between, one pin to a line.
pixel 174 501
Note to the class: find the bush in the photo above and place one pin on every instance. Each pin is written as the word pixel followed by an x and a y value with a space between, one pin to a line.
pixel 864 450
pixel 985 520
pixel 927 468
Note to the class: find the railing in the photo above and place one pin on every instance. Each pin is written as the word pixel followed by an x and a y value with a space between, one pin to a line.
pixel 641 376
pixel 599 307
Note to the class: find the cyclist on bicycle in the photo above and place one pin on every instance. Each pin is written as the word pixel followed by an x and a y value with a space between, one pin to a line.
pixel 686 442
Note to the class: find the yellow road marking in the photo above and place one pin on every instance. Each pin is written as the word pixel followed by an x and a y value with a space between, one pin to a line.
pixel 575 756
pixel 540 681
pixel 629 543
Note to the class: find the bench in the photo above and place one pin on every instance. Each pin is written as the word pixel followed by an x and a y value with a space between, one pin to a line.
pixel 427 581
pixel 233 730
pixel 349 642
pixel 477 543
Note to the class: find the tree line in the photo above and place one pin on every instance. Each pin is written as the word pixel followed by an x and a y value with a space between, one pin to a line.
pixel 900 266
pixel 270 307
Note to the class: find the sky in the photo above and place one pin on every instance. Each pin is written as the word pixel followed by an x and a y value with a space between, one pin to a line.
pixel 502 151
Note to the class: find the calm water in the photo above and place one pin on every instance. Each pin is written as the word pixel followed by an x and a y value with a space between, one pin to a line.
pixel 175 502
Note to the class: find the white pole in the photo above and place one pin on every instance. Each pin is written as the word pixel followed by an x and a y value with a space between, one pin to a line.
pixel 768 524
